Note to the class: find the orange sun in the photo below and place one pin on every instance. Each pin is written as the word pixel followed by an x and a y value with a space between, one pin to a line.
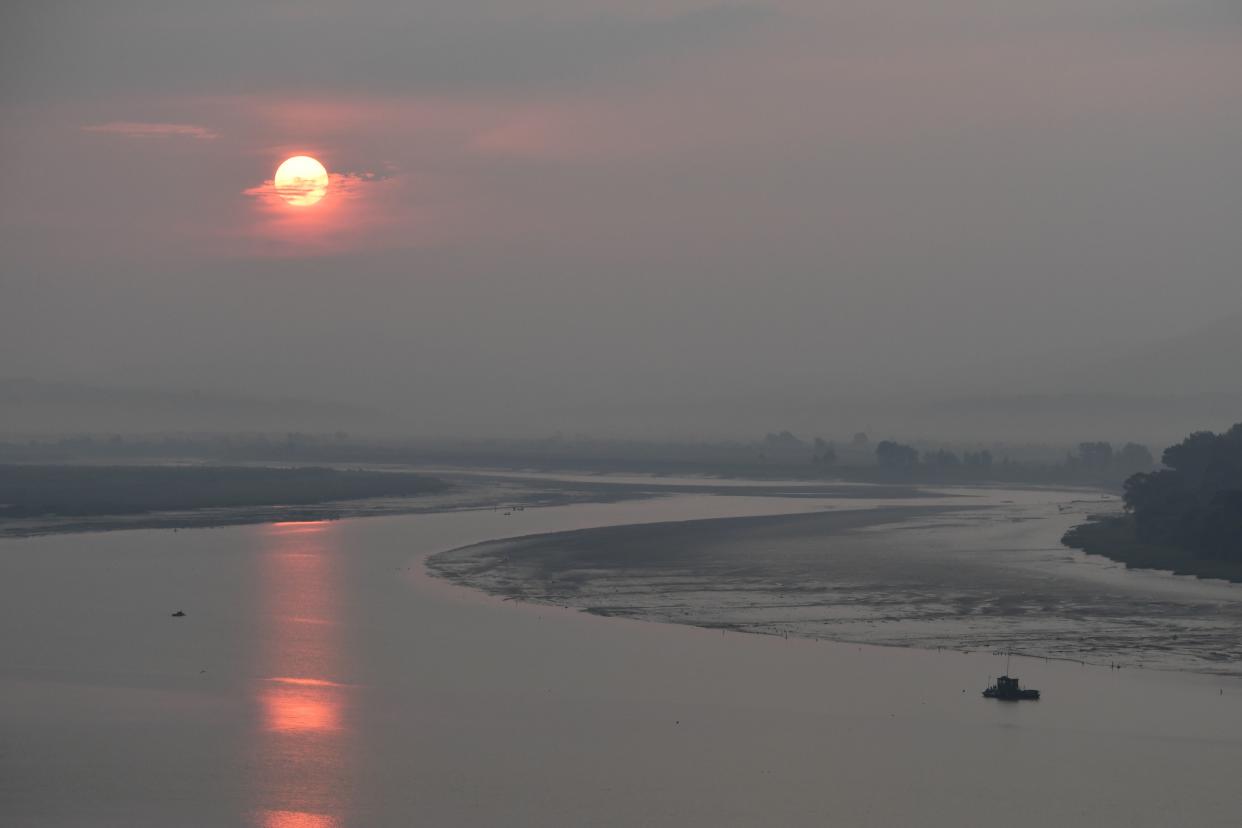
pixel 301 181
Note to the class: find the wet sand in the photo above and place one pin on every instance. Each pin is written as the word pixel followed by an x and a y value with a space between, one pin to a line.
pixel 321 678
pixel 987 575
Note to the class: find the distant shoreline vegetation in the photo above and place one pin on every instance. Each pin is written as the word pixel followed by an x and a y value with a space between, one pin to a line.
pixel 1186 517
pixel 28 491
pixel 1113 537
pixel 780 455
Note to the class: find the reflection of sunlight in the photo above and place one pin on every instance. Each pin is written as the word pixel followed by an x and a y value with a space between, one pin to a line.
pixel 302 707
pixel 297 819
pixel 307 682
pixel 285 527
pixel 303 736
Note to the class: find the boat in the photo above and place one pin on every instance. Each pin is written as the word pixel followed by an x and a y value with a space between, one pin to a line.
pixel 1007 689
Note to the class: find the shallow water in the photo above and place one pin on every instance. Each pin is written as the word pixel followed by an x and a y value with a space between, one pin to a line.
pixel 321 679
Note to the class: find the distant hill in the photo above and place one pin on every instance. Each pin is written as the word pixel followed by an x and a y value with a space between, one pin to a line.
pixel 30 406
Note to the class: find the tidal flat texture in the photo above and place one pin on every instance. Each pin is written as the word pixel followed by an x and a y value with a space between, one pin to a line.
pixel 956 577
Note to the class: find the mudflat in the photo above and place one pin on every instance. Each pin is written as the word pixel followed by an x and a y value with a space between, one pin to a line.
pixel 984 573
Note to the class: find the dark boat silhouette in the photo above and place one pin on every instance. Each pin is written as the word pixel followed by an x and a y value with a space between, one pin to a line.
pixel 1007 689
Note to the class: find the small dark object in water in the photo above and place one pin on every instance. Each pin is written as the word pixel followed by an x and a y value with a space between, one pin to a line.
pixel 1007 689
pixel 178 614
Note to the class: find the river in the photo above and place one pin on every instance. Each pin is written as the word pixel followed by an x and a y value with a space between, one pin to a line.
pixel 321 679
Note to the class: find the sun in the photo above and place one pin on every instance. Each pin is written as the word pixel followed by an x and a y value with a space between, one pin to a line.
pixel 301 181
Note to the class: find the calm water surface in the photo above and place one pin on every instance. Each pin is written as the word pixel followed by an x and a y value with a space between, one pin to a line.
pixel 320 679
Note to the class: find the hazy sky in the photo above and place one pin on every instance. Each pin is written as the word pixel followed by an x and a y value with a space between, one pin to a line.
pixel 551 214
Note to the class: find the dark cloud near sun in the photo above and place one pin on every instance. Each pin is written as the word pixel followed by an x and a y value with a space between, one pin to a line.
pixel 349 184
pixel 368 175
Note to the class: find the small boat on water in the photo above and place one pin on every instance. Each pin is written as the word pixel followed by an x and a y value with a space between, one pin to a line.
pixel 1007 689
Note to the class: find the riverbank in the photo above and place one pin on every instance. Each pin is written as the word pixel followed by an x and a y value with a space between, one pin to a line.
pixel 50 499
pixel 28 491
pixel 1112 536
pixel 106 498
pixel 979 573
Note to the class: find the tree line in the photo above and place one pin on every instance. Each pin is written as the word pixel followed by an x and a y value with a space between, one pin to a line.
pixel 1195 503
pixel 1095 462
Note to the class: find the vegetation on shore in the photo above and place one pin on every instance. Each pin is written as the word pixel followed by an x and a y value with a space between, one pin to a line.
pixel 1113 537
pixel 75 491
pixel 1186 517
pixel 781 455
pixel 1195 503
pixel 1093 463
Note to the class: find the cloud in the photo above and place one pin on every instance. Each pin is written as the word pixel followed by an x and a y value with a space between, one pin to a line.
pixel 347 184
pixel 144 129
pixel 366 176
pixel 363 210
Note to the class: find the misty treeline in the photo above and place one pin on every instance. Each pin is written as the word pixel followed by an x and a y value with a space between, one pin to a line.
pixel 35 491
pixel 1195 502
pixel 1094 461
pixel 781 454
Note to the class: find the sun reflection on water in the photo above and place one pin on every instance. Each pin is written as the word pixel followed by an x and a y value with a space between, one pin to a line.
pixel 304 742
pixel 301 707
pixel 297 819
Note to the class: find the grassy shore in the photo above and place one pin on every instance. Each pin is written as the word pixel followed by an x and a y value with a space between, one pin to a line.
pixel 1113 537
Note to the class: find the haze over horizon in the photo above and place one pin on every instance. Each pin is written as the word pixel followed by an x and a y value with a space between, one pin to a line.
pixel 635 219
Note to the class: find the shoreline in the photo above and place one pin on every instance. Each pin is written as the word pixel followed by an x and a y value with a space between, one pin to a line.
pixel 856 576
pixel 1112 537
pixel 465 490
pixel 215 518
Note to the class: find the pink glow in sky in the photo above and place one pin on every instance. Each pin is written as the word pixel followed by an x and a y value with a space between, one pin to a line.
pixel 820 174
